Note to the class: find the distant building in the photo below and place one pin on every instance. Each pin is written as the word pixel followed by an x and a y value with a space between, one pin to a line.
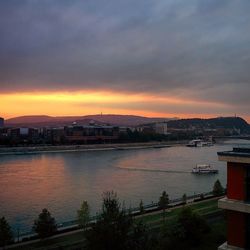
pixel 22 135
pixel 15 132
pixel 57 135
pixel 153 128
pixel 237 201
pixel 146 128
pixel 1 122
pixel 4 135
pixel 161 128
pixel 24 131
pixel 91 133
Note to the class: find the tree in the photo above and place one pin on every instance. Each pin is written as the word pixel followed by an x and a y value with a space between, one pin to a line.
pixel 45 225
pixel 6 236
pixel 141 207
pixel 139 238
pixel 171 237
pixel 111 230
pixel 202 196
pixel 188 230
pixel 218 189
pixel 184 198
pixel 83 214
pixel 111 207
pixel 193 226
pixel 115 228
pixel 163 202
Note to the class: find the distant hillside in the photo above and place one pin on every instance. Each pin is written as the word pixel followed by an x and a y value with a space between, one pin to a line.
pixel 129 120
pixel 42 120
pixel 125 120
pixel 219 122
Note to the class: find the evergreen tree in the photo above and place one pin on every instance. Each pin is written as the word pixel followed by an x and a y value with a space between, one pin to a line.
pixel 163 202
pixel 45 225
pixel 184 198
pixel 139 239
pixel 202 196
pixel 187 231
pixel 111 231
pixel 83 214
pixel 218 189
pixel 115 229
pixel 141 207
pixel 193 226
pixel 5 232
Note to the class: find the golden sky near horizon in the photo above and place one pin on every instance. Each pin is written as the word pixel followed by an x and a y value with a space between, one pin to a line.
pixel 89 57
pixel 106 102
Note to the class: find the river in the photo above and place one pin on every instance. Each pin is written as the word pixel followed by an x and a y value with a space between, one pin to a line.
pixel 61 181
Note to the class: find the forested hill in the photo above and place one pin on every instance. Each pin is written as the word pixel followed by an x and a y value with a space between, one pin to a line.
pixel 42 120
pixel 212 123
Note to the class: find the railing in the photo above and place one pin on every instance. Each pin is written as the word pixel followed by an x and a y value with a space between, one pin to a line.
pixel 154 205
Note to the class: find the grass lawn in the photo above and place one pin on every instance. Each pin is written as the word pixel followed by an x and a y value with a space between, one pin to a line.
pixel 154 221
pixel 202 208
pixel 66 242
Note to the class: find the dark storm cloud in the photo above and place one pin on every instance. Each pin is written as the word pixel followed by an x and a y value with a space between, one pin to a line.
pixel 197 48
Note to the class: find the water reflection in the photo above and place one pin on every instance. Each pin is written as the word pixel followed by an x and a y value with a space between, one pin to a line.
pixel 60 181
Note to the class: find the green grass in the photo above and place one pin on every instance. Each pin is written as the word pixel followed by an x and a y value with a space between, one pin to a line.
pixel 153 221
pixel 65 242
pixel 201 208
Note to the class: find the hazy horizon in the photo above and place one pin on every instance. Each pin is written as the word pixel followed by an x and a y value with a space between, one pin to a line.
pixel 125 115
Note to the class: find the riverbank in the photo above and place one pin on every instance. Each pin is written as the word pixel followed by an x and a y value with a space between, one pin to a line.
pixel 151 209
pixel 208 209
pixel 89 147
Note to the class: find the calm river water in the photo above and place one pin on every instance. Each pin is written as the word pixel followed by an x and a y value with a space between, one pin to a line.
pixel 60 181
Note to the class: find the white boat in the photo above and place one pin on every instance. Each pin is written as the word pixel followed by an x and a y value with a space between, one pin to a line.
pixel 199 143
pixel 195 143
pixel 204 169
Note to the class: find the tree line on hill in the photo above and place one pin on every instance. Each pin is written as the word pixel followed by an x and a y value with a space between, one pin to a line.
pixel 116 228
pixel 128 120
pixel 212 123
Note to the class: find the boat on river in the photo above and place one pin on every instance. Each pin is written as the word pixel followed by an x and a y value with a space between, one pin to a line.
pixel 199 143
pixel 204 169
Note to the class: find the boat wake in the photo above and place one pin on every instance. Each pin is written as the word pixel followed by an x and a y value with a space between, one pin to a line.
pixel 154 170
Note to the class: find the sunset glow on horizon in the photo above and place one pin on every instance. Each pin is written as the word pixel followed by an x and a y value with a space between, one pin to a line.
pixel 90 57
pixel 80 103
pixel 108 99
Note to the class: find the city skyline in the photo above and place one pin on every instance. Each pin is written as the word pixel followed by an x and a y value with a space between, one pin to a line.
pixel 156 59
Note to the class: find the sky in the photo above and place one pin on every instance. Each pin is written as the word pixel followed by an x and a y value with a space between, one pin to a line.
pixel 164 58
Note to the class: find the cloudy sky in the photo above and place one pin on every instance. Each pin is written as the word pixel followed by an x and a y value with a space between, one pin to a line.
pixel 154 58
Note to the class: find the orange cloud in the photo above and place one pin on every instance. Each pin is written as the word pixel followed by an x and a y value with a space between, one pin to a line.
pixel 107 102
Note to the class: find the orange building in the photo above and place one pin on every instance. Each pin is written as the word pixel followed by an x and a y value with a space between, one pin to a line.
pixel 237 201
